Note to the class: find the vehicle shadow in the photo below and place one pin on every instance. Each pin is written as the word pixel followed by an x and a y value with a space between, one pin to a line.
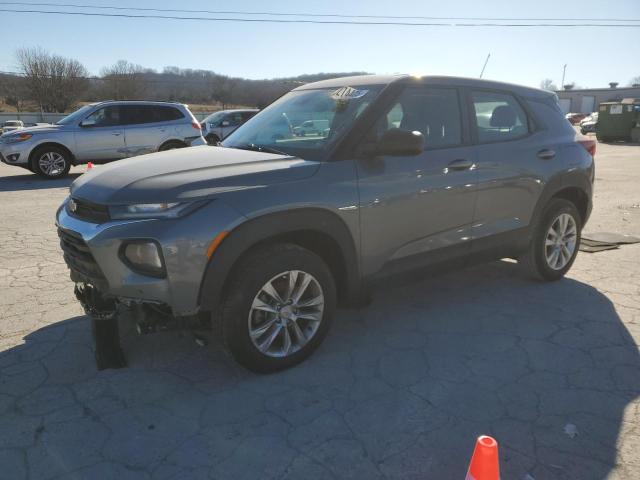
pixel 399 389
pixel 31 181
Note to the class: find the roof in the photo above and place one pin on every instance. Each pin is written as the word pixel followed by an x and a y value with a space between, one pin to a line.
pixel 362 80
pixel 137 102
pixel 596 90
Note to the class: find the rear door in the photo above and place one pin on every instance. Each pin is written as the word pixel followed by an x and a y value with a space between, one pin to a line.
pixel 147 127
pixel 103 136
pixel 411 206
pixel 511 164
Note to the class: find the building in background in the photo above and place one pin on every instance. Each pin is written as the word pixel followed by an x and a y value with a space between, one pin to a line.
pixel 587 100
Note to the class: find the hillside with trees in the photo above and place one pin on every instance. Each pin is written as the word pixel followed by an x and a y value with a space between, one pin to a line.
pixel 50 83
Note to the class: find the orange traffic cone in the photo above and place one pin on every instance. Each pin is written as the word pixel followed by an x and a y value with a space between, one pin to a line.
pixel 485 464
pixel 89 165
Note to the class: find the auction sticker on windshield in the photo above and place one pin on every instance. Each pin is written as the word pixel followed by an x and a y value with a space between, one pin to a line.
pixel 347 93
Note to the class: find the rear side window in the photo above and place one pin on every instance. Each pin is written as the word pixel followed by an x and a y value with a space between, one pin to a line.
pixel 247 115
pixel 499 117
pixel 166 114
pixel 140 114
pixel 435 112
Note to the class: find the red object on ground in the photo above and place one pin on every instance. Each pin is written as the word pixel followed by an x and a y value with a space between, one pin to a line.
pixel 485 464
pixel 89 165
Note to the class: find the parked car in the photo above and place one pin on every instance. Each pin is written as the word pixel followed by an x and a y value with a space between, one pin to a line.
pixel 101 132
pixel 12 125
pixel 575 118
pixel 219 125
pixel 588 124
pixel 266 233
pixel 311 127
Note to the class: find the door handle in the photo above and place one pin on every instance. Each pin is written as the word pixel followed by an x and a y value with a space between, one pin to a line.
pixel 546 154
pixel 116 134
pixel 460 164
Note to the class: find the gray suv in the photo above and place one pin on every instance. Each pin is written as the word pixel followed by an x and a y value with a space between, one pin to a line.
pixel 101 132
pixel 262 236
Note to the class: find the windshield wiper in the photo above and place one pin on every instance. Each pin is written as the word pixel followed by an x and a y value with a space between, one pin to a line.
pixel 261 148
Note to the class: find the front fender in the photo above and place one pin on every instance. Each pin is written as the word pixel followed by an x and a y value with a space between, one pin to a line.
pixel 271 226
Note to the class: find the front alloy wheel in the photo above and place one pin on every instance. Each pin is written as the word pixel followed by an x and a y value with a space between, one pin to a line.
pixel 286 313
pixel 278 307
pixel 51 162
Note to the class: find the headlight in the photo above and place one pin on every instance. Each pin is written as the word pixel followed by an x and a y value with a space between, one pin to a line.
pixel 17 138
pixel 154 210
pixel 143 256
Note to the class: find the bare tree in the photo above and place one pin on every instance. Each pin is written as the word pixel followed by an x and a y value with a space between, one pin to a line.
pixel 123 81
pixel 54 82
pixel 14 92
pixel 547 84
pixel 635 82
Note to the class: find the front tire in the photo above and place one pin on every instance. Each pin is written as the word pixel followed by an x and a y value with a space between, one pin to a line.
pixel 555 242
pixel 51 162
pixel 278 307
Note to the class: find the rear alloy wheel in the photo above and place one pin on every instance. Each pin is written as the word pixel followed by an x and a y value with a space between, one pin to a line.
pixel 555 241
pixel 51 163
pixel 278 307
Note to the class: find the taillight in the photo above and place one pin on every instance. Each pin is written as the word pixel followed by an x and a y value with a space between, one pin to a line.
pixel 588 144
pixel 196 125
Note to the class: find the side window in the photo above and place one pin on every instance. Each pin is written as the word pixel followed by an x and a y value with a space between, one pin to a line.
pixel 499 117
pixel 247 115
pixel 166 114
pixel 234 119
pixel 106 117
pixel 434 112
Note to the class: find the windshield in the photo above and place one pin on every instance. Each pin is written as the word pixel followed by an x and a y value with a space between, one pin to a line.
pixel 214 118
pixel 304 123
pixel 75 116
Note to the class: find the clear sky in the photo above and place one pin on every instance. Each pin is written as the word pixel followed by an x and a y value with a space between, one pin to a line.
pixel 595 56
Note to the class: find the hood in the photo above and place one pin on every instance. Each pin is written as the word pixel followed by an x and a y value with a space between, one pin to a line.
pixel 36 129
pixel 187 174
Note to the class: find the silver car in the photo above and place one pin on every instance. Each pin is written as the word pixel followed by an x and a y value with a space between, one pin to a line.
pixel 11 125
pixel 101 132
pixel 220 125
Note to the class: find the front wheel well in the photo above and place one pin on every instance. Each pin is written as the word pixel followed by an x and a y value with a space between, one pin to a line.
pixel 320 243
pixel 578 197
pixel 32 155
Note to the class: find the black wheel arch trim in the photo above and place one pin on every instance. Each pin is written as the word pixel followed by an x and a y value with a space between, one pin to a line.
pixel 555 187
pixel 276 226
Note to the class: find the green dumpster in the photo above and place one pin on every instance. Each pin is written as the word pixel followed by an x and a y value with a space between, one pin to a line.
pixel 616 120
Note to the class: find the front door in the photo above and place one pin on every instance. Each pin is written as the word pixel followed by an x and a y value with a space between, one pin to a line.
pixel 411 206
pixel 102 137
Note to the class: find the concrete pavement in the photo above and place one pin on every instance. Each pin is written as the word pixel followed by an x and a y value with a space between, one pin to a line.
pixel 398 390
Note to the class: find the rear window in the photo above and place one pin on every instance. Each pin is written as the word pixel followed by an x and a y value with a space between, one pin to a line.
pixel 499 117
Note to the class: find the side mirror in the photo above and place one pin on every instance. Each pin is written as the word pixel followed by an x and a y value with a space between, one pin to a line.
pixel 398 142
pixel 88 122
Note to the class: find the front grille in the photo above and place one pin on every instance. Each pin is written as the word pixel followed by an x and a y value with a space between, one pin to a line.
pixel 91 212
pixel 79 258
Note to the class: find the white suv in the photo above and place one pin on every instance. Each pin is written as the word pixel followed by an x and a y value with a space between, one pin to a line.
pixel 101 132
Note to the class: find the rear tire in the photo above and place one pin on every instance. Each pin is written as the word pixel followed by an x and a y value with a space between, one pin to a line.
pixel 251 316
pixel 51 162
pixel 551 255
